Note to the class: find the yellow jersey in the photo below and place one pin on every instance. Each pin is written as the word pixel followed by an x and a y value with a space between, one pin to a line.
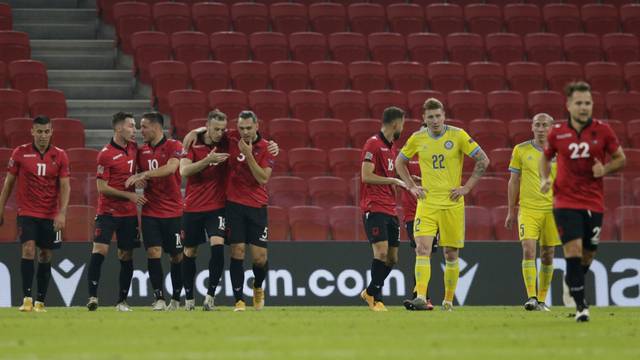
pixel 525 160
pixel 440 158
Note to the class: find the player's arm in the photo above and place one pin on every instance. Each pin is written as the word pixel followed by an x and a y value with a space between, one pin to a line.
pixel 513 193
pixel 65 193
pixel 259 173
pixel 189 168
pixel 106 190
pixel 482 163
pixel 617 162
pixel 402 169
pixel 9 182
pixel 163 171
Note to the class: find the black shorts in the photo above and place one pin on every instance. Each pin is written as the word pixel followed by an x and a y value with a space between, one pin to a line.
pixel 412 240
pixel 382 227
pixel 40 230
pixel 579 224
pixel 200 226
pixel 125 227
pixel 247 225
pixel 163 232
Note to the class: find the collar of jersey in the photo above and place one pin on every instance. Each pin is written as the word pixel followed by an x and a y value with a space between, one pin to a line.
pixel 162 141
pixel 115 145
pixel 33 144
pixel 589 122
pixel 446 127
pixel 384 140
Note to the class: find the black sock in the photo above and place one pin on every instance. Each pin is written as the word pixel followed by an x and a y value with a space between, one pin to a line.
pixel 155 275
pixel 216 265
pixel 26 268
pixel 93 277
pixel 176 280
pixel 237 277
pixel 188 273
pixel 43 276
pixel 575 281
pixel 378 270
pixel 387 271
pixel 259 273
pixel 585 269
pixel 126 273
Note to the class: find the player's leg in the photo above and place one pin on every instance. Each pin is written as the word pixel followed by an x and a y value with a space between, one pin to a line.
pixel 216 230
pixel 549 239
pixel 377 233
pixel 237 236
pixel 258 237
pixel 393 232
pixel 152 235
pixel 176 280
pixel 28 234
pixel 103 233
pixel 47 240
pixel 529 233
pixel 451 241
pixel 590 240
pixel 194 235
pixel 172 245
pixel 128 239
pixel 425 229
pixel 412 245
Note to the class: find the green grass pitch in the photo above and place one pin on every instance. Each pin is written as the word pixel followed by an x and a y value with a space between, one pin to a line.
pixel 320 333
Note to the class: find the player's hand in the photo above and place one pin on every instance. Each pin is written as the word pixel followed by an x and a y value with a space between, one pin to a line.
pixel 59 221
pixel 245 148
pixel 598 169
pixel 417 179
pixel 418 192
pixel 510 221
pixel 138 179
pixel 400 183
pixel 273 148
pixel 191 137
pixel 216 158
pixel 137 199
pixel 458 192
pixel 545 185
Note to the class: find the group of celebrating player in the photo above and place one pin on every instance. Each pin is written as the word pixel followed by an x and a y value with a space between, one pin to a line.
pixel 226 201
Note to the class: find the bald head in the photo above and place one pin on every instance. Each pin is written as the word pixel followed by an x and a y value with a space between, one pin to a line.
pixel 540 126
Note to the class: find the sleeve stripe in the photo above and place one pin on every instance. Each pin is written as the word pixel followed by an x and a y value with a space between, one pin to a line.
pixel 475 151
pixel 514 170
pixel 404 156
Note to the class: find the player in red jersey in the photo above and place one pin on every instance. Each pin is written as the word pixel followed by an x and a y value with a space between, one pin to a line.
pixel 158 163
pixel 117 208
pixel 580 147
pixel 378 203
pixel 42 172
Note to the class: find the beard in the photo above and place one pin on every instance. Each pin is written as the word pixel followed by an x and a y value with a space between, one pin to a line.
pixel 396 135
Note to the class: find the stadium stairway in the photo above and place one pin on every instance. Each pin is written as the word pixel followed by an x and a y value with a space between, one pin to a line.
pixel 82 62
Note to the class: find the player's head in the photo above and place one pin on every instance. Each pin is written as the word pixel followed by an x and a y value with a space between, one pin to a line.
pixel 579 101
pixel 124 126
pixel 248 126
pixel 216 124
pixel 151 126
pixel 540 126
pixel 41 131
pixel 433 115
pixel 393 119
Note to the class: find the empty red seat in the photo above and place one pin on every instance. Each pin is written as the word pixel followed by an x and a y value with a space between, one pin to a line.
pixel 410 126
pixel 6 19
pixel 478 223
pixel 467 105
pixel 604 76
pixel 80 223
pixel 623 106
pixel 229 46
pixel 407 76
pixel 362 129
pixel 506 105
pixel 82 160
pixel 630 16
pixel 614 191
pixel 465 47
pixel 269 46
pixel 382 99
pixel 417 98
pixel 490 191
pixel 308 223
pixel 633 128
pixel 628 224
pixel 346 223
pixel 485 76
pixel 287 191
pixel 190 46
pixel 130 17
pixel 278 223
pixel 619 128
pixel 348 47
pixel 490 134
pixel 387 47
pixel 504 48
pixel 288 75
pixel 367 76
pixel 525 76
pixel 171 17
pixel 499 215
pixel 500 159
pixel 308 46
pixel 328 191
pixel 327 76
pixel 209 75
pixel 5 155
pixel 250 17
pixel 483 19
pixel 520 131
pixel 187 105
pixel 230 102
pixel 9 228
pixel 249 75
pixel 12 104
pixel 79 194
pixel 550 102
pixel 149 46
pixel 522 19
pixel 543 47
pixel 48 102
pixel 167 76
pixel 560 73
pixel 582 48
pixel 327 134
pixel 14 45
pixel 289 133
pixel 444 19
pixel 562 19
pixel 269 104
pixel 3 74
pixel 67 133
pixel 366 18
pixel 345 162
pixel 288 18
pixel 328 18
pixel 632 166
pixel 632 75
pixel 425 47
pixel 210 17
pixel 600 19
pixel 308 104
pixel 620 48
pixel 18 131
pixel 405 18
pixel 308 162
pixel 446 76
pixel 348 104
pixel 26 75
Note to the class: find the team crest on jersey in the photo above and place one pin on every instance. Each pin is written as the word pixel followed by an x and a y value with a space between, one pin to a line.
pixel 448 145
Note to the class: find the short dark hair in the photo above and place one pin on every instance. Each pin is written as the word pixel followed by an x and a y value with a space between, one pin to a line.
pixel 154 117
pixel 120 117
pixel 392 113
pixel 432 104
pixel 41 120
pixel 248 114
pixel 216 114
pixel 576 86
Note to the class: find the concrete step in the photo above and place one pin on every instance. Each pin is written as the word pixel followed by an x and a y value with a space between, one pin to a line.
pixel 93 84
pixel 75 54
pixel 46 3
pixel 56 23
pixel 96 114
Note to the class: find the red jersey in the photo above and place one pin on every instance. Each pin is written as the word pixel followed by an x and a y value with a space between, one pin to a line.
pixel 38 177
pixel 115 165
pixel 206 189
pixel 409 202
pixel 163 194
pixel 242 187
pixel 379 198
pixel 574 186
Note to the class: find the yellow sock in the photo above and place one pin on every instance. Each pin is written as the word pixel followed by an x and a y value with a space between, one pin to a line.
pixel 423 275
pixel 529 276
pixel 546 274
pixel 451 275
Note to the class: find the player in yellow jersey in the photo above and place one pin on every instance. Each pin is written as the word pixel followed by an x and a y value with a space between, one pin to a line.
pixel 441 150
pixel 535 217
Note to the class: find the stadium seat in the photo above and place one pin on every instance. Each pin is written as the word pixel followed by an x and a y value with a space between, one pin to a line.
pixel 130 17
pixel 632 165
pixel 483 19
pixel 288 18
pixel 446 76
pixel 619 128
pixel 623 106
pixel 466 105
pixel 328 191
pixel 230 102
pixel 9 228
pixel 167 76
pixel 48 102
pixel 632 75
pixel 287 191
pixel 308 47
pixel 525 76
pixel 410 126
pixel 26 75
pixel 633 131
pixel 362 129
pixel 504 48
pixel 348 104
pixel 490 191
pixel 405 19
pixel 186 105
pixel 82 161
pixel 582 48
pixel 520 131
pixel 444 19
pixel 327 76
pixel 229 46
pixel 499 215
pixel 308 104
pixel 600 19
pixel 148 46
pixel 615 192
pixel 67 133
pixel 550 102
pixel 345 162
pixel 269 46
pixel 485 76
pixel 289 133
pixel 328 18
pixel 367 76
pixel 506 105
pixel 210 17
pixel 171 17
pixel 543 47
pixel 281 166
pixel 465 47
pixel 12 104
pixel 387 47
pixel 630 16
pixel 14 45
pixel 80 223
pixel 308 223
pixel 425 47
pixel 562 19
pixel 620 48
pixel 417 98
pixel 346 223
pixel 6 19
pixel 308 162
pixel 407 76
pixel 249 17
pixel 500 159
pixel 209 75
pixel 489 133
pixel 348 47
pixel 599 105
pixel 628 224
pixel 478 223
pixel 249 75
pixel 4 74
pixel 17 131
pixel 635 186
pixel 327 134
pixel 269 104
pixel 278 223
pixel 288 75
pixel 5 155
pixel 604 76
pixel 382 99
pixel 366 18
pixel 560 73
pixel 190 46
pixel 522 19
pixel 455 122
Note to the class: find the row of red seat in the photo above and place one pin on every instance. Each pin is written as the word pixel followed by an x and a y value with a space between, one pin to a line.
pixel 14 45
pixel 24 75
pixel 67 133
pixel 6 18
